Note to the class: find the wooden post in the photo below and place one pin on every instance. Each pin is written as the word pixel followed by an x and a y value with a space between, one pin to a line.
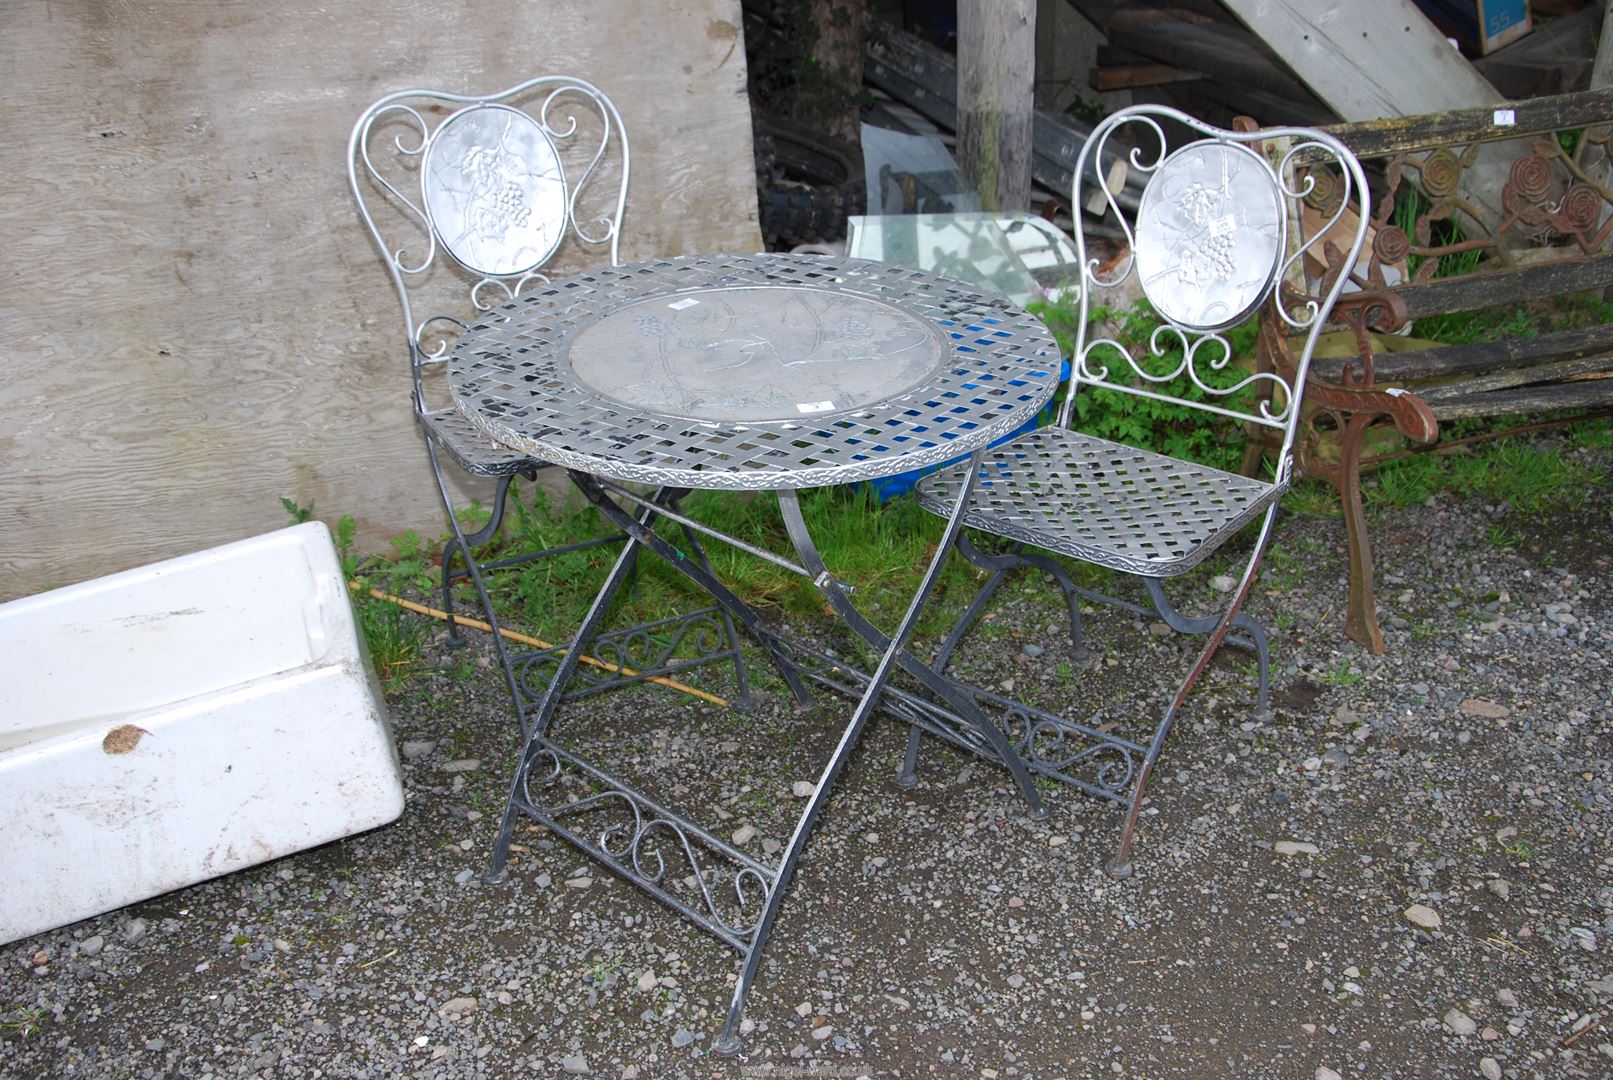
pixel 996 72
pixel 1602 72
pixel 1602 79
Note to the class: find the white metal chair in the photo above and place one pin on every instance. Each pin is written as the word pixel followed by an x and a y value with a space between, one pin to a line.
pixel 1212 245
pixel 468 198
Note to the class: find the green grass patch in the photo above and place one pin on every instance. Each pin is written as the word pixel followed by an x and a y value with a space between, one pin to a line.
pixel 1524 475
pixel 22 1022
pixel 880 551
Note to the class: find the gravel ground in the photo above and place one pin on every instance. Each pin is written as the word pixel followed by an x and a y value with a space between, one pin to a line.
pixel 1406 872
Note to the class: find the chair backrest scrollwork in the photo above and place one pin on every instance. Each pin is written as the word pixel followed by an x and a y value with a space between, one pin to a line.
pixel 1210 247
pixel 468 198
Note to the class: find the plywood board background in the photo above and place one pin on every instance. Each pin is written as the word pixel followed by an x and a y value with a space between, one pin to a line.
pixel 195 324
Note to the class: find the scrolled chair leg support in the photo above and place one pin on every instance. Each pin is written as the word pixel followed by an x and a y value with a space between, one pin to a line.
pixel 1253 638
pixel 999 567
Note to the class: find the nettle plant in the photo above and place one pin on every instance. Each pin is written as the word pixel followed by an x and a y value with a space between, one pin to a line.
pixel 1146 422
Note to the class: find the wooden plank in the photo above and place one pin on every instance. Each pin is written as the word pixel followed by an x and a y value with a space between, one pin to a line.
pixel 1146 14
pixel 1222 52
pixel 1459 127
pixel 1469 292
pixel 1368 58
pixel 1096 12
pixel 1529 401
pixel 1476 359
pixel 1602 69
pixel 1105 14
pixel 1265 108
pixel 1538 375
pixel 197 323
pixel 1130 76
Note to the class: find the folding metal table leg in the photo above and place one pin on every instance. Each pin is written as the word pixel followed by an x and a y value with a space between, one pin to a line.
pixel 534 730
pixel 698 571
pixel 742 700
pixel 894 651
pixel 960 700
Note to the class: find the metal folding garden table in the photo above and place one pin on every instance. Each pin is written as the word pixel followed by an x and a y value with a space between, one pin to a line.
pixel 746 373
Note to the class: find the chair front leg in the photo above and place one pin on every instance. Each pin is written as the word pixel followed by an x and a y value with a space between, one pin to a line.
pixel 1121 866
pixel 471 540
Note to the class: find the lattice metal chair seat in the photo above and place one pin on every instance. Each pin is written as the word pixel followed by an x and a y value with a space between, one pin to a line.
pixel 471 449
pixel 1104 502
pixel 1209 245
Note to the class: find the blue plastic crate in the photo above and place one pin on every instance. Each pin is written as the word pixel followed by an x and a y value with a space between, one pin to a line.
pixel 892 487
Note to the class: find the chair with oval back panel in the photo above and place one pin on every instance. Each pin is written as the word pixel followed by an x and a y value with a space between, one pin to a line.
pixel 468 199
pixel 1210 250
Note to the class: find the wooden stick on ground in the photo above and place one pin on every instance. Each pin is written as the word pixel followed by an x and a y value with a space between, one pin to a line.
pixel 478 624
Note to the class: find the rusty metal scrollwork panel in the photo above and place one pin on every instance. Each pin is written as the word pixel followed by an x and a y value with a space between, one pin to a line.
pixel 1556 198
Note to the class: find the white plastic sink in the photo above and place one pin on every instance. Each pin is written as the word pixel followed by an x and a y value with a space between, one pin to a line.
pixel 178 721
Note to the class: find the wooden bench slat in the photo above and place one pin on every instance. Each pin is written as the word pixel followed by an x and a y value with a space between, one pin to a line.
pixel 1529 400
pixel 1480 358
pixel 1415 134
pixel 1501 380
pixel 1469 292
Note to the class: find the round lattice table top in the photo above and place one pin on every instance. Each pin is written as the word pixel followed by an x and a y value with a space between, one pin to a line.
pixel 753 371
